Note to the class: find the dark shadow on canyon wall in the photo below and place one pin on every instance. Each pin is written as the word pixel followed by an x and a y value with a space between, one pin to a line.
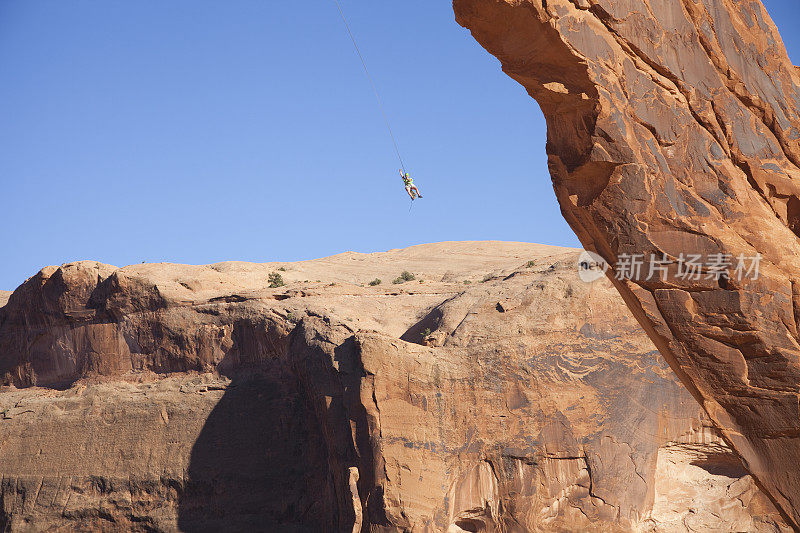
pixel 259 462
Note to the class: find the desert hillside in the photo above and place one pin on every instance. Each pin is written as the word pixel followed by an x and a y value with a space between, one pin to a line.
pixel 494 391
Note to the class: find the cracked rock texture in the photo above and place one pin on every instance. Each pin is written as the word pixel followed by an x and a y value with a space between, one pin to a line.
pixel 673 129
pixel 496 393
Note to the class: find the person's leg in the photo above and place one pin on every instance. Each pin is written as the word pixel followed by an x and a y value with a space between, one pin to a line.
pixel 411 194
pixel 417 191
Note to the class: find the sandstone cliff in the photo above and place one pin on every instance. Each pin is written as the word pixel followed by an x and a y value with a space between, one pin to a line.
pixel 673 129
pixel 495 392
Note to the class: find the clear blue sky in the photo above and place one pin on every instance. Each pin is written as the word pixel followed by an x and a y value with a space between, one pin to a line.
pixel 198 131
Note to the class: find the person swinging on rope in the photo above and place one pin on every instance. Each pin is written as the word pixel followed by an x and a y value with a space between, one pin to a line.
pixel 411 189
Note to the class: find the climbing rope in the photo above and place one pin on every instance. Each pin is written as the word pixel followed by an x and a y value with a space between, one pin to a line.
pixel 374 88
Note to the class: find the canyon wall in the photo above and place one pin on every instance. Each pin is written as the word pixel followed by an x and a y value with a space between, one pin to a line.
pixel 494 392
pixel 674 142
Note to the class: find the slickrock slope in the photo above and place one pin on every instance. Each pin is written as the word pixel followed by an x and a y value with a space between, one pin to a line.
pixel 170 397
pixel 673 129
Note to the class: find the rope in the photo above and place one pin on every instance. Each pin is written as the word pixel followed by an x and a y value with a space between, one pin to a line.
pixel 374 88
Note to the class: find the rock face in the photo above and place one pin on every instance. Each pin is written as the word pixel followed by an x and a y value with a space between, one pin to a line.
pixel 495 392
pixel 673 129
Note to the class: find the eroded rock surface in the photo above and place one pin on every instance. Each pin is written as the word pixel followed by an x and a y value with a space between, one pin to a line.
pixel 495 392
pixel 673 129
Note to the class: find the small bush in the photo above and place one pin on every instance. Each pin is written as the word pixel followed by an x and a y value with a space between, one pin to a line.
pixel 405 276
pixel 375 282
pixel 467 282
pixel 530 264
pixel 275 280
pixel 282 269
pixel 425 334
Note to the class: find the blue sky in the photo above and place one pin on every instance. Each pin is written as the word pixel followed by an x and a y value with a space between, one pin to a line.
pixel 198 131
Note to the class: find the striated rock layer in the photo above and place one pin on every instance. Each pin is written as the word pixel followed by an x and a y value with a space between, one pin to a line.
pixel 673 129
pixel 495 392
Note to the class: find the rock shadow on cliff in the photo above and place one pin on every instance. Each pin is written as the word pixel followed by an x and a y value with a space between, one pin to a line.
pixel 259 461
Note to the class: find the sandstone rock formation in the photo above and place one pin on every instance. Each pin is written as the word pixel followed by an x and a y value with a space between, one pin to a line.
pixel 496 392
pixel 673 129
